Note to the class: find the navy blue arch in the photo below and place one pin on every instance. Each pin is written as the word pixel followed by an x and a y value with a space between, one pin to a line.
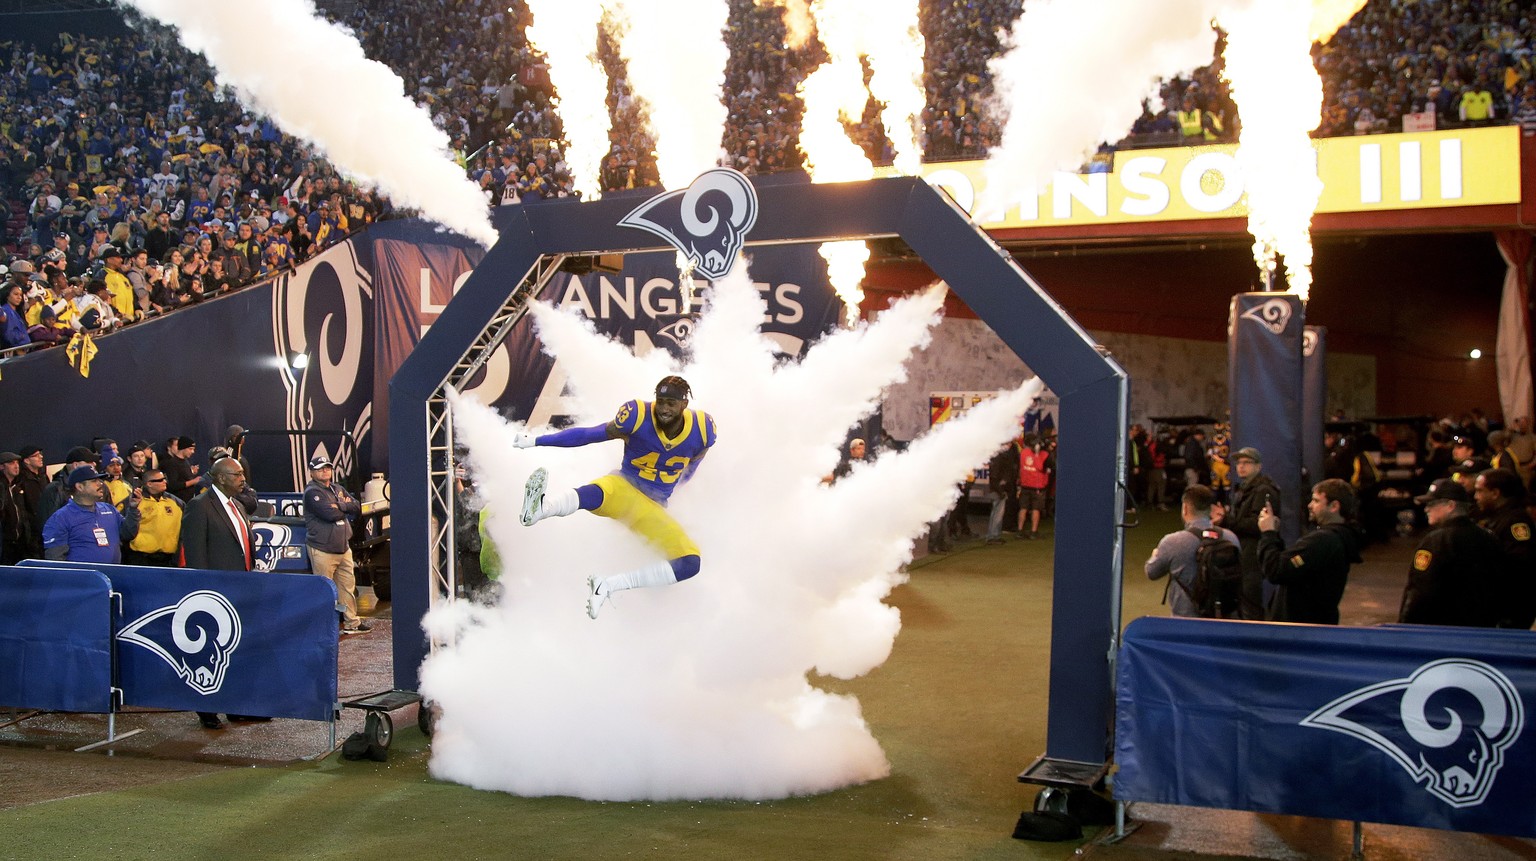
pixel 1091 386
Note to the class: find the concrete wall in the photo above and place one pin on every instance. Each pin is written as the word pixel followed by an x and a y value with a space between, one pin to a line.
pixel 1169 376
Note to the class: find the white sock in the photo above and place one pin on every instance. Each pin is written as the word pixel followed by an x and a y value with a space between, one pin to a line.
pixel 655 574
pixel 557 503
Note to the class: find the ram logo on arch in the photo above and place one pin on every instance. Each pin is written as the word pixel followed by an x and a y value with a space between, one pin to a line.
pixel 1447 724
pixel 196 636
pixel 708 221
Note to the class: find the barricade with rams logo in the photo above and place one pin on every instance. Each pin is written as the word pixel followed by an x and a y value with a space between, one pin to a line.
pixel 174 638
pixel 1401 724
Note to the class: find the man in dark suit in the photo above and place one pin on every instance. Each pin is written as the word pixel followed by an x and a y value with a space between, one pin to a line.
pixel 216 535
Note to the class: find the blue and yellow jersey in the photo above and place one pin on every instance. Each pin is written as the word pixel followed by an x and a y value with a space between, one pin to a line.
pixel 653 462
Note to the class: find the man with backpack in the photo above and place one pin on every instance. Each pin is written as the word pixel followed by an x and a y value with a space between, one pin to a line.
pixel 1201 562
pixel 1311 574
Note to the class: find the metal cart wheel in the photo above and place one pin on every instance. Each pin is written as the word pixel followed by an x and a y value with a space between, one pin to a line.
pixel 1051 800
pixel 379 729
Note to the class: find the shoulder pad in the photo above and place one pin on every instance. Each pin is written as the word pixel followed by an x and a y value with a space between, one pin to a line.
pixel 629 416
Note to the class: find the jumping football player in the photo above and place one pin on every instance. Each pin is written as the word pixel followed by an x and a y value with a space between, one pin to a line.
pixel 664 442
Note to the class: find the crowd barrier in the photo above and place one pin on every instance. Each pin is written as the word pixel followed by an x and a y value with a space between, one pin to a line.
pixel 1404 725
pixel 96 638
pixel 55 640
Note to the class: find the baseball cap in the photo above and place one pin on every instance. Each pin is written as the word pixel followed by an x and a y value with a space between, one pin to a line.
pixel 186 442
pixel 1247 452
pixel 110 251
pixel 80 454
pixel 23 266
pixel 82 473
pixel 1446 488
pixel 320 461
pixel 1471 467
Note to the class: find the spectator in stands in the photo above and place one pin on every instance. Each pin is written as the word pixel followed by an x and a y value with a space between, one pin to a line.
pixel 124 305
pixel 13 317
pixel 49 330
pixel 95 308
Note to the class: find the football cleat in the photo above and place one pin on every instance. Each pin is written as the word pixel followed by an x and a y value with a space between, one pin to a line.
pixel 533 496
pixel 596 597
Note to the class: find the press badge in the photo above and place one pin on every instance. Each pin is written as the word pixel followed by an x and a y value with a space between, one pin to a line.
pixel 101 536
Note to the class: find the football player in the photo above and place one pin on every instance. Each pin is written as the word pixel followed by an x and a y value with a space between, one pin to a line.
pixel 664 442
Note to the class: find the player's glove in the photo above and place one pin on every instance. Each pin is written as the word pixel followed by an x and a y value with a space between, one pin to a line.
pixel 525 440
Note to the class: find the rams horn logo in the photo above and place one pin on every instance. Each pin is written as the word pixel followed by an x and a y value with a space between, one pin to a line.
pixel 1273 315
pixel 1308 341
pixel 679 331
pixel 267 543
pixel 196 636
pixel 1448 724
pixel 708 221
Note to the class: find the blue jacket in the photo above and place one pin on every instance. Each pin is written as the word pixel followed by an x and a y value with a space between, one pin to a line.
pixel 13 328
pixel 327 517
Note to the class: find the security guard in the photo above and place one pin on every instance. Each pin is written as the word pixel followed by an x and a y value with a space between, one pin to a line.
pixel 1454 579
pixel 1501 499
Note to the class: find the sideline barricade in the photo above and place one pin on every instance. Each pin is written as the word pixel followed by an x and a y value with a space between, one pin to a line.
pixel 215 641
pixel 55 640
pixel 1404 725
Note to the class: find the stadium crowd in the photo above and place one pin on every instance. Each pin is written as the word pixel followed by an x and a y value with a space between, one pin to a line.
pixel 136 185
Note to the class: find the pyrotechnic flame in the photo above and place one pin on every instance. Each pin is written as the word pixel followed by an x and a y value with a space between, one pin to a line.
pixel 369 129
pixel 1280 99
pixel 565 31
pixel 676 55
pixel 797 20
pixel 894 45
pixel 1329 15
pixel 835 93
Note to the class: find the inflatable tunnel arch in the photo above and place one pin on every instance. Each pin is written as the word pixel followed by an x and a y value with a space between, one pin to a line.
pixel 538 238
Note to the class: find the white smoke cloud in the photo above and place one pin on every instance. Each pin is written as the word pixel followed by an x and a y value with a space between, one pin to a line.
pixel 1073 74
pixel 312 78
pixel 700 689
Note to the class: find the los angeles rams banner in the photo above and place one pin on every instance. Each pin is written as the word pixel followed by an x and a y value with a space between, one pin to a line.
pixel 55 640
pixel 1264 384
pixel 1405 725
pixel 224 641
